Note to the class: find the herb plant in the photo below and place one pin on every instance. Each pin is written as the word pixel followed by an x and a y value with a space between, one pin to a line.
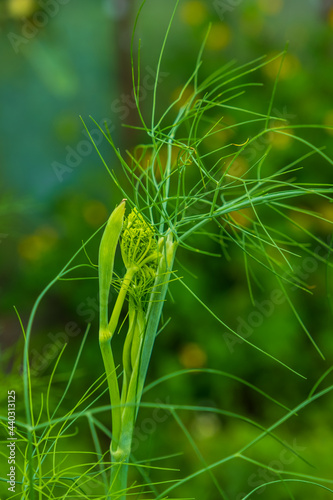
pixel 177 195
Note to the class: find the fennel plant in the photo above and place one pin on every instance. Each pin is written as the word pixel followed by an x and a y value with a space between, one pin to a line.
pixel 178 194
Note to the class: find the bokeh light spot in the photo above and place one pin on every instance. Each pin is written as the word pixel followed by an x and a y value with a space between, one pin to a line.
pixel 328 121
pixel 181 98
pixel 21 8
pixel 290 67
pixel 241 218
pixel 192 356
pixel 326 211
pixel 206 425
pixel 94 213
pixel 330 17
pixel 219 37
pixel 193 12
pixel 236 167
pixel 219 132
pixel 270 7
pixel 279 140
pixel 34 246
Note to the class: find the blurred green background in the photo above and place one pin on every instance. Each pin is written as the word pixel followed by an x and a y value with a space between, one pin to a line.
pixel 64 59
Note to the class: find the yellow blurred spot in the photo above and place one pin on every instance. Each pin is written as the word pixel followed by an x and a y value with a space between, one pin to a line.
pixel 34 246
pixel 290 67
pixel 192 356
pixel 279 140
pixel 219 37
pixel 330 17
pixel 219 132
pixel 328 121
pixel 237 167
pixel 241 218
pixel 193 12
pixel 94 213
pixel 326 211
pixel 145 156
pixel 206 425
pixel 300 220
pixel 216 139
pixel 21 8
pixel 181 98
pixel 270 7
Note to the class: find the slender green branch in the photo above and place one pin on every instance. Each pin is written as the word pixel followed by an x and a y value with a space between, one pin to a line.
pixel 110 370
pixel 120 300
pixel 127 362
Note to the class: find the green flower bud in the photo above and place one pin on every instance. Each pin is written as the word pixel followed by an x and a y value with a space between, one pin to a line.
pixel 139 251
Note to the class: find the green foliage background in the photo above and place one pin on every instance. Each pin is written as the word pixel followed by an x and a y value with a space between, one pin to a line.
pixel 78 64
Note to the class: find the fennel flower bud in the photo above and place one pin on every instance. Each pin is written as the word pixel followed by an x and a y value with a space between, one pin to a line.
pixel 139 251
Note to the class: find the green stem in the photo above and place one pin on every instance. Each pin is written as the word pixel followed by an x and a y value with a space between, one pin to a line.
pixel 127 363
pixel 119 468
pixel 119 449
pixel 120 299
pixel 121 455
pixel 167 249
pixel 129 411
pixel 110 370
